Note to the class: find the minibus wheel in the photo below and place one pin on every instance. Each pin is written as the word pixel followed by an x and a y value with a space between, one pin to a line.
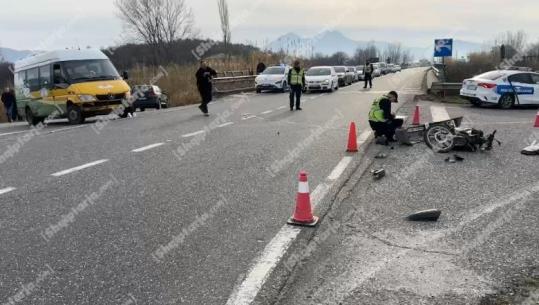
pixel 31 119
pixel 74 115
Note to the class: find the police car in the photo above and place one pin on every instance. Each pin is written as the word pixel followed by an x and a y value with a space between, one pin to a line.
pixel 505 88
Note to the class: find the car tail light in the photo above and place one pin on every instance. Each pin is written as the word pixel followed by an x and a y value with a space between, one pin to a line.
pixel 486 85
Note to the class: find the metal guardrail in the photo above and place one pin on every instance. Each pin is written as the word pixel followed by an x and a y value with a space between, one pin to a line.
pixel 234 84
pixel 443 88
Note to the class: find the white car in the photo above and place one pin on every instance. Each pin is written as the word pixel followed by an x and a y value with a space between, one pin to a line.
pixel 504 88
pixel 321 78
pixel 274 78
pixel 354 72
pixel 377 72
pixel 360 72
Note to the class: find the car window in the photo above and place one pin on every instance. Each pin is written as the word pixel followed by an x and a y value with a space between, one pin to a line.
pixel 535 79
pixel 524 78
pixel 493 75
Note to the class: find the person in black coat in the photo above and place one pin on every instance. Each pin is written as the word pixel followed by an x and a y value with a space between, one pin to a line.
pixel 10 104
pixel 204 77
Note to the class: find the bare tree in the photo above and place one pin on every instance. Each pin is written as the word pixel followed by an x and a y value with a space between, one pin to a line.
pixel 394 52
pixel 225 22
pixel 361 56
pixel 158 23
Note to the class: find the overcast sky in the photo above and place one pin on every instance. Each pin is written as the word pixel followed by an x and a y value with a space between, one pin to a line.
pixel 53 24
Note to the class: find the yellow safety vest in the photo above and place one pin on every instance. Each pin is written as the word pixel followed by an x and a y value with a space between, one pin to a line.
pixel 297 77
pixel 377 114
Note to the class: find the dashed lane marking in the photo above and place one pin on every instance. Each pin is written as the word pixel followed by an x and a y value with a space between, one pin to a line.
pixel 267 112
pixel 78 168
pixel 225 124
pixel 6 190
pixel 439 113
pixel 147 147
pixel 196 133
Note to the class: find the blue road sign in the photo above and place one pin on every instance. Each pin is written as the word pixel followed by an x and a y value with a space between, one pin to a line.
pixel 443 47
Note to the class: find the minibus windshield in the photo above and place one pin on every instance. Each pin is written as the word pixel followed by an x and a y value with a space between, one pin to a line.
pixel 78 71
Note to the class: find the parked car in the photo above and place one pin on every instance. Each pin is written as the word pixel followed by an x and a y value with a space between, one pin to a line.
pixel 354 72
pixel 345 78
pixel 398 68
pixel 360 72
pixel 377 72
pixel 504 88
pixel 274 78
pixel 148 96
pixel 322 78
pixel 391 68
pixel 383 68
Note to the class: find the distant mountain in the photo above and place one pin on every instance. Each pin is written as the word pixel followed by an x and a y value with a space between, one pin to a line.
pixel 11 55
pixel 329 42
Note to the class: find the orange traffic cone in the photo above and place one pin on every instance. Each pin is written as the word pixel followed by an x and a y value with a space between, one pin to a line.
pixel 537 120
pixel 303 215
pixel 352 138
pixel 416 116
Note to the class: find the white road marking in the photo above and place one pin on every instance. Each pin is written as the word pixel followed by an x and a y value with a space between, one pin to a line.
pixel 339 169
pixel 225 124
pixel 67 128
pixel 193 134
pixel 6 190
pixel 12 133
pixel 364 136
pixel 267 112
pixel 282 107
pixel 248 117
pixel 276 249
pixel 147 147
pixel 78 168
pixel 439 113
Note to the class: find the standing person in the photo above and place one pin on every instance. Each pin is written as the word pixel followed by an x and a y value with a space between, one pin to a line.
pixel 382 121
pixel 204 77
pixel 260 68
pixel 10 104
pixel 369 70
pixel 296 80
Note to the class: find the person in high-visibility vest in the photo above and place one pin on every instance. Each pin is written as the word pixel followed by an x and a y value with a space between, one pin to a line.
pixel 382 121
pixel 368 71
pixel 296 80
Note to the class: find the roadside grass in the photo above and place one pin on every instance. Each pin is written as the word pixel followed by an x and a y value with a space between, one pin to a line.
pixel 180 83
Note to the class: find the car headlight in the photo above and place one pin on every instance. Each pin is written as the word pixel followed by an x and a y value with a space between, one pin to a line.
pixel 278 82
pixel 326 82
pixel 86 98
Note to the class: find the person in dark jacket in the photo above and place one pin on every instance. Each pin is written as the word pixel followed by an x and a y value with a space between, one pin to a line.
pixel 369 70
pixel 260 68
pixel 204 77
pixel 296 80
pixel 382 121
pixel 10 104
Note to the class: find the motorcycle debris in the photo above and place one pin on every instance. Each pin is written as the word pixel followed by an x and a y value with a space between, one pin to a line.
pixel 378 173
pixel 427 215
pixel 458 158
pixel 380 156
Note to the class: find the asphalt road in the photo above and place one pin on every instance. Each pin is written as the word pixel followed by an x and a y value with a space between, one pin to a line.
pixel 365 252
pixel 152 210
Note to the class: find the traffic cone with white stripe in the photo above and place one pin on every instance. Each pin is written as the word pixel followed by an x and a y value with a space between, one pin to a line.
pixel 303 215
pixel 416 120
pixel 537 120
